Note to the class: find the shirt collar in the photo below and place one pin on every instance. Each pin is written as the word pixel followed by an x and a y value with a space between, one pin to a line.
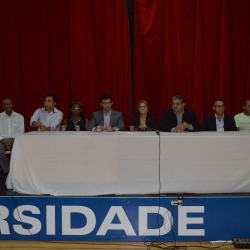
pixel 180 113
pixel 216 117
pixel 109 113
pixel 12 114
pixel 54 111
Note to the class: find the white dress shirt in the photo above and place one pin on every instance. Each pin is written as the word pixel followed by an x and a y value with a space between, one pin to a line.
pixel 52 119
pixel 106 119
pixel 219 124
pixel 11 126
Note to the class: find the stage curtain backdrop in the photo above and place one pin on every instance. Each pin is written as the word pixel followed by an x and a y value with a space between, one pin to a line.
pixel 77 49
pixel 196 48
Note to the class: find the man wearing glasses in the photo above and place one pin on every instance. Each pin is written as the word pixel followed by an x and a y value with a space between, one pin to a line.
pixel 178 119
pixel 219 121
pixel 106 119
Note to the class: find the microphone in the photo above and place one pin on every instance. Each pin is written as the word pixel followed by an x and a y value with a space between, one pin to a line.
pixel 157 132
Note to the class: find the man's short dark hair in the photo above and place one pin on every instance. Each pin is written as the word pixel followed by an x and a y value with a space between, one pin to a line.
pixel 178 97
pixel 51 95
pixel 105 97
pixel 218 100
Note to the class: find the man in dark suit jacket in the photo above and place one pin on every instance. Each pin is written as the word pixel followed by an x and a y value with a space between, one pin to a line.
pixel 179 119
pixel 219 121
pixel 107 119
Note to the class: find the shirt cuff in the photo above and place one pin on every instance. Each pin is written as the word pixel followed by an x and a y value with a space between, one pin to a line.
pixel 191 127
pixel 172 129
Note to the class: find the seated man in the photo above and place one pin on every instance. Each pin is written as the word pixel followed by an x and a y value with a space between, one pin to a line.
pixel 242 120
pixel 11 125
pixel 219 121
pixel 106 119
pixel 47 118
pixel 179 119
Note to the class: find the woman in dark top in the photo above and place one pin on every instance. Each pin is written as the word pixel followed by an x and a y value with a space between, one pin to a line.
pixel 76 120
pixel 144 121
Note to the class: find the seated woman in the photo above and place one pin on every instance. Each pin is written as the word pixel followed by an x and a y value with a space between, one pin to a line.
pixel 76 120
pixel 143 121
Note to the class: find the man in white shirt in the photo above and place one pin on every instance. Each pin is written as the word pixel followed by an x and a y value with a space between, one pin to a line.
pixel 11 125
pixel 242 120
pixel 49 117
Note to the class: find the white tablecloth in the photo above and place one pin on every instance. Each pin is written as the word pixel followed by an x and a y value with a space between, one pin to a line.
pixel 87 163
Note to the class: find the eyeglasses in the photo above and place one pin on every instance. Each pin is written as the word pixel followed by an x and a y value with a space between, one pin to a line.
pixel 219 106
pixel 106 103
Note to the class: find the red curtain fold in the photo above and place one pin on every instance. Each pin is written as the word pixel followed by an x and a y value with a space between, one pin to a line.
pixel 77 49
pixel 197 48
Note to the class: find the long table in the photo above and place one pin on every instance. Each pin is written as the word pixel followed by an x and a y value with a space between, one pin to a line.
pixel 130 163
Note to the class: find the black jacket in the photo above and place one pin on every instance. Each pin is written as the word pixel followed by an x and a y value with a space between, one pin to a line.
pixel 169 120
pixel 209 123
pixel 150 122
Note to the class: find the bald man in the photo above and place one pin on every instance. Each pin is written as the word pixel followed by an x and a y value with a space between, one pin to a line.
pixel 11 125
pixel 242 120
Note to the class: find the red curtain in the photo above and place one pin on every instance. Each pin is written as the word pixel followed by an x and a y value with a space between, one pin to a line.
pixel 77 49
pixel 196 48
